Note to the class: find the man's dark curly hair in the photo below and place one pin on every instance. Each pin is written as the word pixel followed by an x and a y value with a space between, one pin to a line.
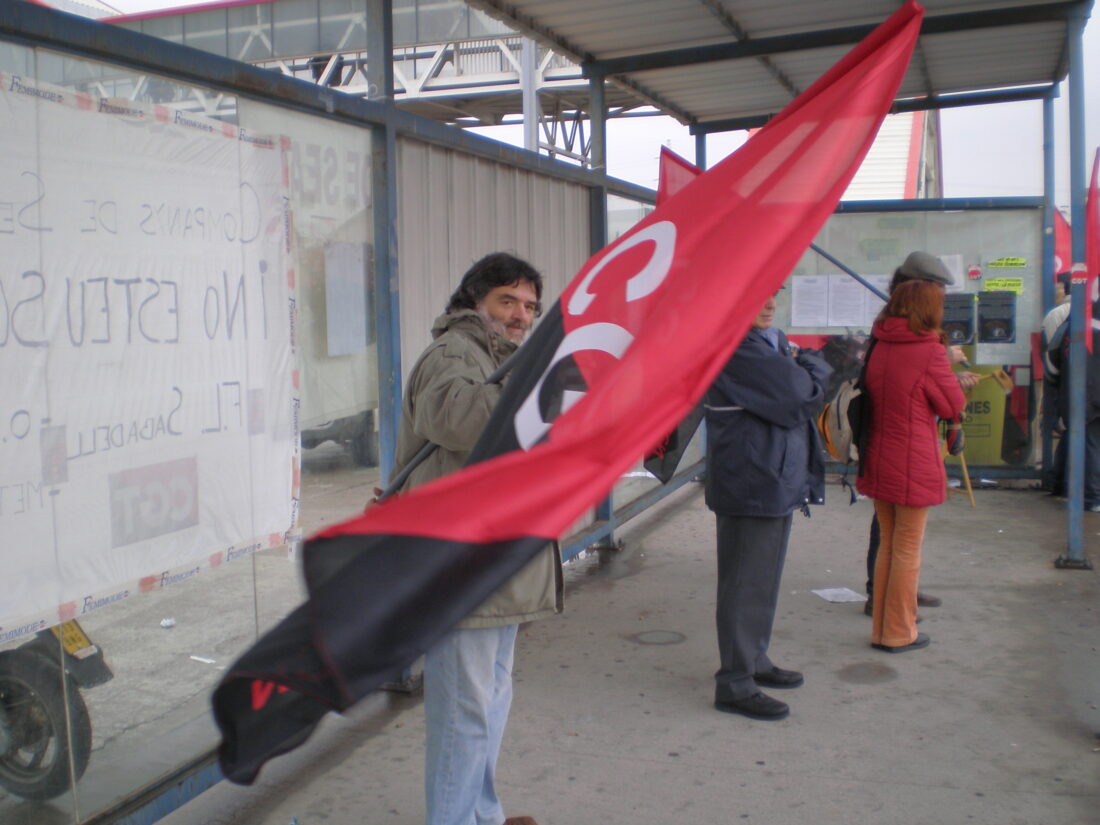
pixel 495 269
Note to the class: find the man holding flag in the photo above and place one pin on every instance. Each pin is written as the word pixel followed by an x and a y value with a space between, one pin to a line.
pixel 468 673
pixel 628 350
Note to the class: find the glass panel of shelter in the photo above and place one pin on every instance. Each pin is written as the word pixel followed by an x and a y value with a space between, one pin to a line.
pixel 167 641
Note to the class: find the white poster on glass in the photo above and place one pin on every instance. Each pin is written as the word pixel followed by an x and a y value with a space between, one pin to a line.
pixel 148 412
pixel 809 301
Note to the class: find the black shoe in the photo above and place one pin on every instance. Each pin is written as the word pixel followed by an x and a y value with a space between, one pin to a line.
pixel 757 706
pixel 922 640
pixel 928 600
pixel 777 677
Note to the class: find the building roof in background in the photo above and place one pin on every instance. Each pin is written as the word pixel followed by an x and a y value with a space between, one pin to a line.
pixel 85 8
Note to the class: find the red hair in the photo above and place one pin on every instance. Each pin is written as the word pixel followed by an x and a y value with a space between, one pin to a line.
pixel 921 302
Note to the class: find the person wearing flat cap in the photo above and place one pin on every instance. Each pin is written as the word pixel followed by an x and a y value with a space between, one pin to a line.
pixel 917 266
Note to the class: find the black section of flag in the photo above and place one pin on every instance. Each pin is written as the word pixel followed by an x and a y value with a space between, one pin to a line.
pixel 272 698
pixel 663 459
pixel 377 603
pixel 404 593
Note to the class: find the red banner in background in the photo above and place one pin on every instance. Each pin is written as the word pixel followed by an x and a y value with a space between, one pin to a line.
pixel 1063 244
pixel 675 173
pixel 631 346
pixel 1092 250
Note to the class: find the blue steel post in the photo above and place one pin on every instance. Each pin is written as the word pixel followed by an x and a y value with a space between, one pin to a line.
pixel 701 150
pixel 1075 557
pixel 387 307
pixel 1047 287
pixel 385 298
pixel 597 222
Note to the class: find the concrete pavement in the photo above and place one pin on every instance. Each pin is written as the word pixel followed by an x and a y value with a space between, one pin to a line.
pixel 995 723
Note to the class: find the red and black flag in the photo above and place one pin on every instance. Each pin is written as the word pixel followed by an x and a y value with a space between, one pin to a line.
pixel 631 346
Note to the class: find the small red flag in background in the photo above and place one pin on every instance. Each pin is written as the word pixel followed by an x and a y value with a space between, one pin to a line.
pixel 674 174
pixel 631 346
pixel 1063 244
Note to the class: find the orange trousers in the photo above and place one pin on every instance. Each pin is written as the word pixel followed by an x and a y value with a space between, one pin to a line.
pixel 897 570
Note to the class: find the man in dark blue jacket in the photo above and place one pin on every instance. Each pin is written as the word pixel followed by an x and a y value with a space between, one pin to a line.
pixel 763 462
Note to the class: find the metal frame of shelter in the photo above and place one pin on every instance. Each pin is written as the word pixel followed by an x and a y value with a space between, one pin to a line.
pixel 471 76
pixel 35 26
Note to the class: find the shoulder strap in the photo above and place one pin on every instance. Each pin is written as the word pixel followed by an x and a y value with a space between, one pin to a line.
pixel 866 360
pixel 861 440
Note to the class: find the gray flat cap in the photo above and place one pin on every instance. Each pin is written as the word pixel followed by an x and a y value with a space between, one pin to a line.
pixel 920 266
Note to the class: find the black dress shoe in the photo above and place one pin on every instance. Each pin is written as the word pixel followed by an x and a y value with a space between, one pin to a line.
pixel 777 677
pixel 928 600
pixel 758 706
pixel 922 640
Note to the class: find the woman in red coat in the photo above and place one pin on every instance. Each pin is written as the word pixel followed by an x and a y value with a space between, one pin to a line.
pixel 909 384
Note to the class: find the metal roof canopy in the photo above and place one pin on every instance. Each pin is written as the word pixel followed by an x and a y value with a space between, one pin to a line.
pixel 718 65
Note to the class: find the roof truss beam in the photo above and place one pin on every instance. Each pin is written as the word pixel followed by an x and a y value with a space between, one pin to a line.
pixel 508 13
pixel 718 10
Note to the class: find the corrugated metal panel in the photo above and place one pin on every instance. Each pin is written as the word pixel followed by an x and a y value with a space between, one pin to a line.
pixel 993 57
pixel 454 208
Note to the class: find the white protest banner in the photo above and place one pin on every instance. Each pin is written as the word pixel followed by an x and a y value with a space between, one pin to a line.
pixel 148 410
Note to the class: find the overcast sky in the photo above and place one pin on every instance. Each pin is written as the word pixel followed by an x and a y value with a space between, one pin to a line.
pixel 988 151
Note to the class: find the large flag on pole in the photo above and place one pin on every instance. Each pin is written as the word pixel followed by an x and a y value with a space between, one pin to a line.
pixel 632 344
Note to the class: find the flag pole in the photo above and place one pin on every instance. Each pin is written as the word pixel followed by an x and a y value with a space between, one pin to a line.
pixel 851 272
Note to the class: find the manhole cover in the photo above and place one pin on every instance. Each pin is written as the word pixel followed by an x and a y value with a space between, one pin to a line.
pixel 658 637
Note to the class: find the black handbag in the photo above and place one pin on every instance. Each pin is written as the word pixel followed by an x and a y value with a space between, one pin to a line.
pixel 859 409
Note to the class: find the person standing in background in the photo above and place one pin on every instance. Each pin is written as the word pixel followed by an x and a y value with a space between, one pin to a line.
pixel 909 384
pixel 764 461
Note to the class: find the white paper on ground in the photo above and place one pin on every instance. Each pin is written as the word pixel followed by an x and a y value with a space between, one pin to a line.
pixel 840 595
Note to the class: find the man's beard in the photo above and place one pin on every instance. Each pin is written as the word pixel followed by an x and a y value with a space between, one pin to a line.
pixel 501 329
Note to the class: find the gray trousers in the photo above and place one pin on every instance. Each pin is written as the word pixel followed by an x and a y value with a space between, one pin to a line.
pixel 751 552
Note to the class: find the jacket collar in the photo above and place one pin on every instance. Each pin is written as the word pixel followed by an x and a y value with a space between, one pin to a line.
pixel 472 325
pixel 896 331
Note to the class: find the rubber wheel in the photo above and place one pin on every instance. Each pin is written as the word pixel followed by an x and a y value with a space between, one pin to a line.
pixel 364 444
pixel 36 763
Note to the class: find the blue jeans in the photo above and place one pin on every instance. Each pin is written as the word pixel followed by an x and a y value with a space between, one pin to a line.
pixel 467 694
